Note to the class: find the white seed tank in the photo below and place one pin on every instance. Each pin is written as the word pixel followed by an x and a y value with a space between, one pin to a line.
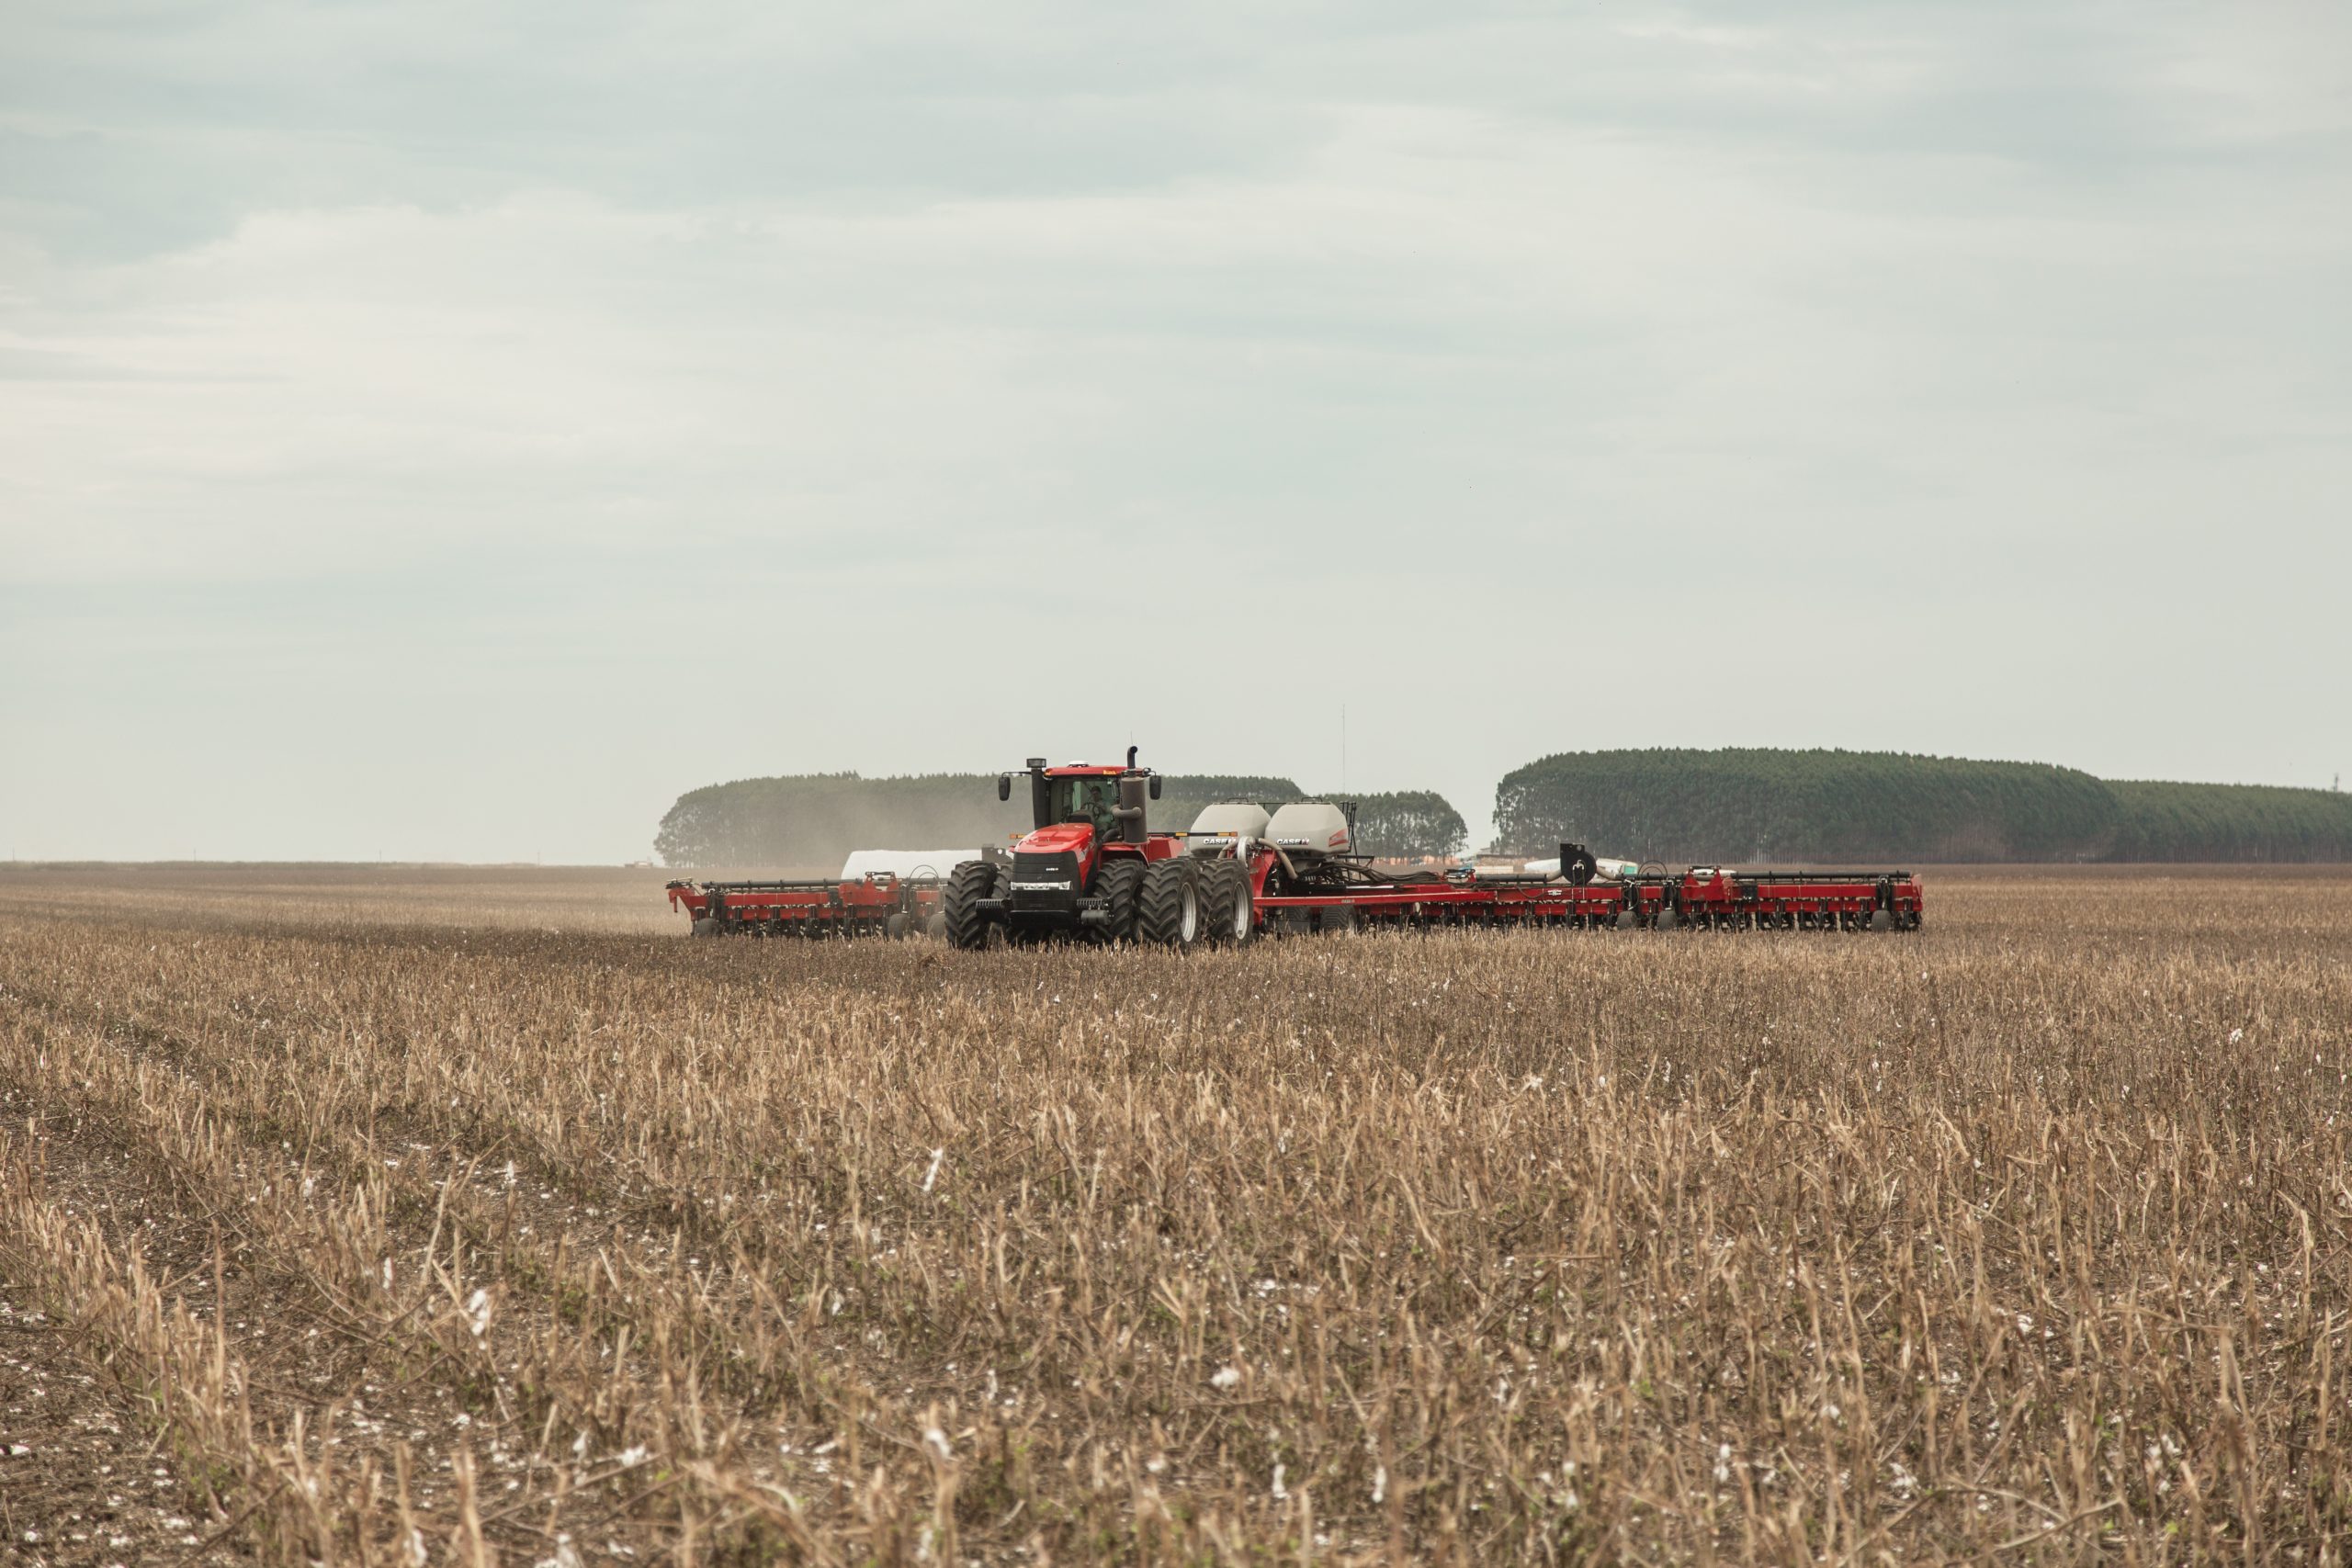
pixel 1311 826
pixel 1226 822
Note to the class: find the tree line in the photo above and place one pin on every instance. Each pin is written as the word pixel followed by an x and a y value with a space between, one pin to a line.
pixel 809 822
pixel 1781 807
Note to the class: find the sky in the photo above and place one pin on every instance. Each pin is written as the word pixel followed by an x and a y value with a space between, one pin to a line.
pixel 437 430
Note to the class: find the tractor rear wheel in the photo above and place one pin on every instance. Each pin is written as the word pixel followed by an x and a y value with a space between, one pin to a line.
pixel 1226 916
pixel 1121 886
pixel 969 883
pixel 1169 914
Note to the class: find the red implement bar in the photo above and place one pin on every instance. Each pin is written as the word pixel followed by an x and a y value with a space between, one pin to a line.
pixel 881 905
pixel 1708 899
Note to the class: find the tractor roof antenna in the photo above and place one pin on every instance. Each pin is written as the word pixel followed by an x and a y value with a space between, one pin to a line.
pixel 1344 747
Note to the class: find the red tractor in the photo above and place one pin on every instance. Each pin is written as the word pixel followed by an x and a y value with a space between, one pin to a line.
pixel 1092 869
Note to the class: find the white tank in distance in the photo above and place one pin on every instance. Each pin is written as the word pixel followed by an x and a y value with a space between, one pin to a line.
pixel 1604 869
pixel 908 863
pixel 1226 822
pixel 1312 828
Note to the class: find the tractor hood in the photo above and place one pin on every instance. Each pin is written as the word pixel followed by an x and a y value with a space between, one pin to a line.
pixel 1058 837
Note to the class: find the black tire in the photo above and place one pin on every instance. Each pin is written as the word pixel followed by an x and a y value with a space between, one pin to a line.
pixel 1227 917
pixel 1208 883
pixel 969 883
pixel 1121 886
pixel 1169 914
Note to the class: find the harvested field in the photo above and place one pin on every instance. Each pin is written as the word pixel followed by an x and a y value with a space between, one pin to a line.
pixel 344 1217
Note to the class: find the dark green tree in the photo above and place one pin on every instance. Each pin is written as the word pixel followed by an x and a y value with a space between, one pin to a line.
pixel 1408 823
pixel 1769 806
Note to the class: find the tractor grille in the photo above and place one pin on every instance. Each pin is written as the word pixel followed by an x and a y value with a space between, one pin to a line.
pixel 1045 881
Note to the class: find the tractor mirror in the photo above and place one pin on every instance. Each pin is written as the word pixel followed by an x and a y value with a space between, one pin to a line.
pixel 1155 786
pixel 1004 786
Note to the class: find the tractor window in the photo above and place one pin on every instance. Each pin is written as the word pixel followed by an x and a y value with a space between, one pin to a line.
pixel 1091 800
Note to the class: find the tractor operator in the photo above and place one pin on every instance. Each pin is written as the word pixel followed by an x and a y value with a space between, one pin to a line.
pixel 1096 801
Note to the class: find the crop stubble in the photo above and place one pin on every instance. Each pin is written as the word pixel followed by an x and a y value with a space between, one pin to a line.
pixel 393 1240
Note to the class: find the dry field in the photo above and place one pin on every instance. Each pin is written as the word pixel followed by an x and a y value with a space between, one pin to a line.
pixel 421 1216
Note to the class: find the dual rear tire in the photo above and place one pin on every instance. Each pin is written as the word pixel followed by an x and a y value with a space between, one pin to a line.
pixel 1168 913
pixel 1189 902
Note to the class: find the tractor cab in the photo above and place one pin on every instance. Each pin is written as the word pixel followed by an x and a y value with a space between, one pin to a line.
pixel 1090 867
pixel 1088 809
pixel 1081 794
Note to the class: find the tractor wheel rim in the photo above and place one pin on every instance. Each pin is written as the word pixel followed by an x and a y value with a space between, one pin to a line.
pixel 1188 924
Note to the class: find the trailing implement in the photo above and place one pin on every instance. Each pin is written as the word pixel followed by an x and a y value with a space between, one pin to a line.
pixel 860 902
pixel 1705 898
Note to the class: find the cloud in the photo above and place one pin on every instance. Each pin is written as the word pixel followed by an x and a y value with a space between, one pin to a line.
pixel 435 356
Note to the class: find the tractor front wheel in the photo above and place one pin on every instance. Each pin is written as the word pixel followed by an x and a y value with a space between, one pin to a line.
pixel 1168 913
pixel 1121 885
pixel 968 926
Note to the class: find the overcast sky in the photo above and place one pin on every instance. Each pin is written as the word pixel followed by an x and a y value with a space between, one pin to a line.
pixel 447 431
